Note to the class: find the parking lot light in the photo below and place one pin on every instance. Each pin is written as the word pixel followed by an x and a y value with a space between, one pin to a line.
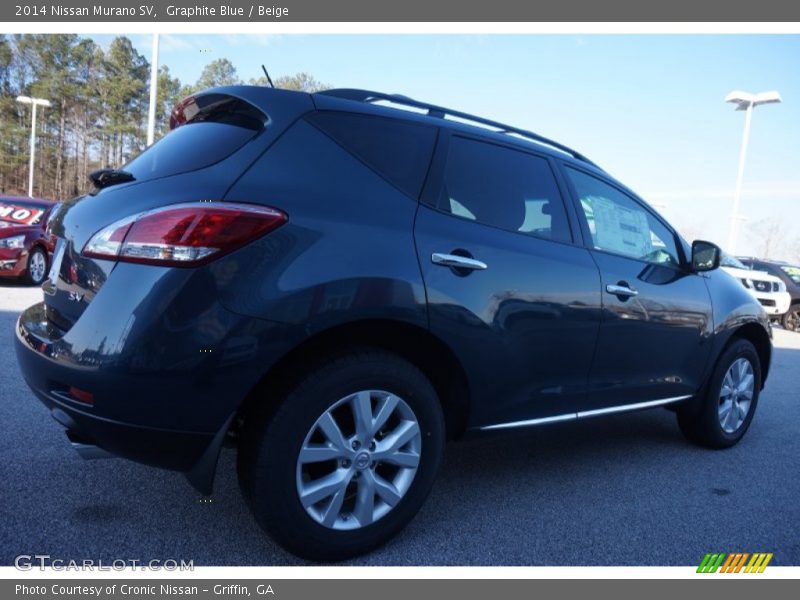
pixel 151 113
pixel 747 102
pixel 34 102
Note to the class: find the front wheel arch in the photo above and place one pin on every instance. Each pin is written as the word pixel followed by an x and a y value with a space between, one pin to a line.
pixel 758 336
pixel 701 420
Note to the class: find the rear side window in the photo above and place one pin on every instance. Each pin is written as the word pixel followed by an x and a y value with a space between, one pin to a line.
pixel 209 128
pixel 399 151
pixel 503 188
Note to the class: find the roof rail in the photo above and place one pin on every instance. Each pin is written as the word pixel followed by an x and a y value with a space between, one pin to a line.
pixel 442 113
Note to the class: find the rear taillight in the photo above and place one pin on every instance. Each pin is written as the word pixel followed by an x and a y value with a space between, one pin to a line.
pixel 183 234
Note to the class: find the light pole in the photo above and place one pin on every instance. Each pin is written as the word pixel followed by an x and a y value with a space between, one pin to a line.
pixel 747 102
pixel 151 113
pixel 34 102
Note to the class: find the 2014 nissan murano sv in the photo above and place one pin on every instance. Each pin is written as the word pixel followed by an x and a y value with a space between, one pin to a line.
pixel 336 286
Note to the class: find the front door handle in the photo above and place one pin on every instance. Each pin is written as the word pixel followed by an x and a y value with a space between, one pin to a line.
pixel 458 262
pixel 621 290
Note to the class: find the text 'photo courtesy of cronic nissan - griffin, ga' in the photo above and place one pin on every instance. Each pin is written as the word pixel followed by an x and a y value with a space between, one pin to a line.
pixel 336 283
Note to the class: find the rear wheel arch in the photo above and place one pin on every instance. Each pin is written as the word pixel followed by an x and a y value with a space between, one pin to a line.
pixel 413 343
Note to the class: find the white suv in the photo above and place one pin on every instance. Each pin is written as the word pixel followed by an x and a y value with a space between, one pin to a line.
pixel 768 289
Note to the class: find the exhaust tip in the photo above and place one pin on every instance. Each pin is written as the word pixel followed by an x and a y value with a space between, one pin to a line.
pixel 85 449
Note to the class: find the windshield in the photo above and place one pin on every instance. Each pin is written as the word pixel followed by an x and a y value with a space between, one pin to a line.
pixel 21 212
pixel 729 261
pixel 793 272
pixel 207 129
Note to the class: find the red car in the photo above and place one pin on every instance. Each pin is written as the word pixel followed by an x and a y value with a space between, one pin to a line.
pixel 25 246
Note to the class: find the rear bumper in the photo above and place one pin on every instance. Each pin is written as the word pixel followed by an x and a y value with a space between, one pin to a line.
pixel 166 448
pixel 165 364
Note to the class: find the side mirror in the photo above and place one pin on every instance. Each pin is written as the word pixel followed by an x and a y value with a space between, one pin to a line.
pixel 705 256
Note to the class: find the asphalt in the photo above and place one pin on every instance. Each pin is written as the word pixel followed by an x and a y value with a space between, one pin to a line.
pixel 624 490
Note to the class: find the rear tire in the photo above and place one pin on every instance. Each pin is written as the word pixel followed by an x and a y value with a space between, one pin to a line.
pixel 362 513
pixel 791 318
pixel 36 269
pixel 721 414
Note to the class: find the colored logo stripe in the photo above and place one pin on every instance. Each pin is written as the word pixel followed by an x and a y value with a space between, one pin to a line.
pixel 734 562
pixel 710 563
pixel 758 563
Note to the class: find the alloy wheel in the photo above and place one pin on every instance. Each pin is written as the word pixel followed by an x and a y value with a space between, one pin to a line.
pixel 736 395
pixel 36 267
pixel 792 320
pixel 358 460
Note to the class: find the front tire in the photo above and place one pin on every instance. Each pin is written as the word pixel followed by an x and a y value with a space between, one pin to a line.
pixel 36 270
pixel 721 414
pixel 791 318
pixel 348 457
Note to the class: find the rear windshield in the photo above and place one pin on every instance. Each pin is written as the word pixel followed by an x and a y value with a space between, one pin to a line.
pixel 21 213
pixel 209 128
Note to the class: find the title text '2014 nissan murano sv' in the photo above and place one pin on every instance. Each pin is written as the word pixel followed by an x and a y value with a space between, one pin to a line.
pixel 337 286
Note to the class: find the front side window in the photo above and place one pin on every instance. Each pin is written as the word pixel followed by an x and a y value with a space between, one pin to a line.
pixel 504 188
pixel 621 225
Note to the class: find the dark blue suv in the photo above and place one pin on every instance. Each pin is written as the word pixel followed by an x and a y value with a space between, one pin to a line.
pixel 338 282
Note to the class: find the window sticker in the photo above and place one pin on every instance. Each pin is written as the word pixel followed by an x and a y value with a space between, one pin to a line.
pixel 620 229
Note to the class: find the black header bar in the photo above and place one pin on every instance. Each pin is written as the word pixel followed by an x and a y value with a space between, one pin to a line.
pixel 465 11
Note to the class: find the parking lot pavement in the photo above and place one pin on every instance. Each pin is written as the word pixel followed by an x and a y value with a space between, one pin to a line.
pixel 625 490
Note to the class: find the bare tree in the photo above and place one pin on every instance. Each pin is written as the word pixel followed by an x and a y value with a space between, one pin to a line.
pixel 768 237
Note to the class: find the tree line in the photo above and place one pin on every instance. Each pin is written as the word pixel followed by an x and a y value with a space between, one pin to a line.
pixel 99 104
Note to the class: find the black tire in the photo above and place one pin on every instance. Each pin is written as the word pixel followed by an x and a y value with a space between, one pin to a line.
pixel 699 419
pixel 791 318
pixel 272 438
pixel 35 276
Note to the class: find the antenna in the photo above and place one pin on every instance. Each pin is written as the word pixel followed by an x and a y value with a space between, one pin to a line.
pixel 263 68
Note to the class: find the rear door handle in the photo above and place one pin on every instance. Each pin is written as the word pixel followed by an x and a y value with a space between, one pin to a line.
pixel 458 262
pixel 621 290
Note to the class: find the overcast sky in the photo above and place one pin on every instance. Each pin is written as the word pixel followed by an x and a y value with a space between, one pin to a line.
pixel 648 109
